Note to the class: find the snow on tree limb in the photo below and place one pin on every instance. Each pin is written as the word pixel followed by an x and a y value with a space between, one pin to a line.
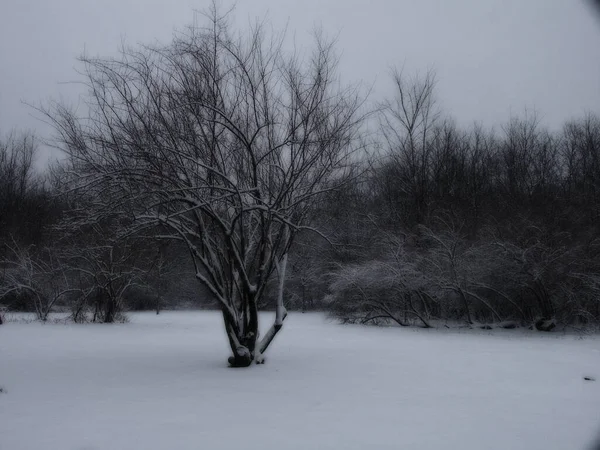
pixel 221 141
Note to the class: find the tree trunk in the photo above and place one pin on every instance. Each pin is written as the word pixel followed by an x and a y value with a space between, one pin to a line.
pixel 243 338
pixel 463 297
pixel 242 355
pixel 111 310
pixel 280 311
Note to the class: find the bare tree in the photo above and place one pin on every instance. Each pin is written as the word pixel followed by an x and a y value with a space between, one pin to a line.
pixel 580 168
pixel 406 125
pixel 474 274
pixel 39 275
pixel 103 272
pixel 555 277
pixel 23 197
pixel 16 164
pixel 220 141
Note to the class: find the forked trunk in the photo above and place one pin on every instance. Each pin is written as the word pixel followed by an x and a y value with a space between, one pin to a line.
pixel 242 342
pixel 243 337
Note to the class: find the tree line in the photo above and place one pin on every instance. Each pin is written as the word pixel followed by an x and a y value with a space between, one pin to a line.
pixel 478 226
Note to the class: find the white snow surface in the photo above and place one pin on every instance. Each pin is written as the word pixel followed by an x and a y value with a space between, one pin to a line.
pixel 162 382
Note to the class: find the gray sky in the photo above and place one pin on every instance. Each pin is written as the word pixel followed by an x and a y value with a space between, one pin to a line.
pixel 493 58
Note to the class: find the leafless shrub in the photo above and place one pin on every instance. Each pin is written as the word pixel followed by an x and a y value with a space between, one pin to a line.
pixel 40 274
pixel 390 289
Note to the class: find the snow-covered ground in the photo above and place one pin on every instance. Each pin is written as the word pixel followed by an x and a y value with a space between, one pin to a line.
pixel 161 382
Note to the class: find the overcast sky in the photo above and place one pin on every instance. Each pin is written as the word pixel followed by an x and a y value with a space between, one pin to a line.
pixel 493 58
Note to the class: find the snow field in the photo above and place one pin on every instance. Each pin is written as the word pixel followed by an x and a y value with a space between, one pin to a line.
pixel 162 382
